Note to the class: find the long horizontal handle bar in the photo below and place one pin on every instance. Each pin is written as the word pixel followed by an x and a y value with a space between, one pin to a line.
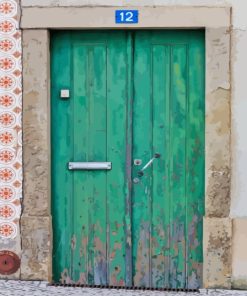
pixel 89 165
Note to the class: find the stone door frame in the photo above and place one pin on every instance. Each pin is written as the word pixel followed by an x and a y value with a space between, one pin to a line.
pixel 36 226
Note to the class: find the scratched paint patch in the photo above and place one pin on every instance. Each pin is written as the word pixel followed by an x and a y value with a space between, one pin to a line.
pixel 10 119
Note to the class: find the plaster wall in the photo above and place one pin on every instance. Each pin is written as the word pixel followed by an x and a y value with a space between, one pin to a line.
pixel 238 73
pixel 35 22
pixel 238 203
pixel 237 211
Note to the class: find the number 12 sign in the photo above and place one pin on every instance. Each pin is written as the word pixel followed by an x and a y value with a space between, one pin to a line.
pixel 126 16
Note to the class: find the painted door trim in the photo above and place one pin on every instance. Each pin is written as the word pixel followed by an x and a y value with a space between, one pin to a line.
pixel 104 17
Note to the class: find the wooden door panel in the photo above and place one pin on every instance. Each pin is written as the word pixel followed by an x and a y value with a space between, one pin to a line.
pixel 93 122
pixel 132 95
pixel 168 118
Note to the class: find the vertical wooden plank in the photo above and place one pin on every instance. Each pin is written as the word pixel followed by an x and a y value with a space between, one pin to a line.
pixel 97 152
pixel 160 194
pixel 142 149
pixel 195 159
pixel 128 166
pixel 90 145
pixel 90 176
pixel 178 111
pixel 117 190
pixel 62 153
pixel 80 148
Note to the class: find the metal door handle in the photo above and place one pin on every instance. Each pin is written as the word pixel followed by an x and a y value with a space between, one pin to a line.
pixel 141 172
pixel 89 165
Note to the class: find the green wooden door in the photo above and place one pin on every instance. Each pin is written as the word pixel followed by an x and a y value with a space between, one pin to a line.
pixel 133 96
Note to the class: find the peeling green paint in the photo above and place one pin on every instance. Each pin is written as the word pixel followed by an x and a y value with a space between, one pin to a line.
pixel 133 94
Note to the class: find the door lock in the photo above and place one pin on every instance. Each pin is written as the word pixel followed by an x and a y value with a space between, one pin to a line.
pixel 137 162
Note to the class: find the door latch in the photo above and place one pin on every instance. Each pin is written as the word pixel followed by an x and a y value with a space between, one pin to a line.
pixel 148 164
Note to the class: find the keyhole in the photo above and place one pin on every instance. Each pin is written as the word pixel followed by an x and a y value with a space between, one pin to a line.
pixel 137 162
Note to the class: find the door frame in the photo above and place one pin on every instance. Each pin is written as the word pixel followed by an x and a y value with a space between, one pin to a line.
pixel 36 22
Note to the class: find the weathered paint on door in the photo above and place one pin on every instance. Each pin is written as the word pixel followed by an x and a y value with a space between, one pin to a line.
pixel 132 95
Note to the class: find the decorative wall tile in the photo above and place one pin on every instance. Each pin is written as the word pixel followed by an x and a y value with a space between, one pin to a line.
pixel 10 120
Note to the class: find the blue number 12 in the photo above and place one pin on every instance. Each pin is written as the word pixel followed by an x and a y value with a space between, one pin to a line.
pixel 128 16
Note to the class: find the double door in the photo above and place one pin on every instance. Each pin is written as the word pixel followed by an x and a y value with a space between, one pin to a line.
pixel 127 126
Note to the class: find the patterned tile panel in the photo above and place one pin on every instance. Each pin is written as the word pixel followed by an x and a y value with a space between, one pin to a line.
pixel 10 119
